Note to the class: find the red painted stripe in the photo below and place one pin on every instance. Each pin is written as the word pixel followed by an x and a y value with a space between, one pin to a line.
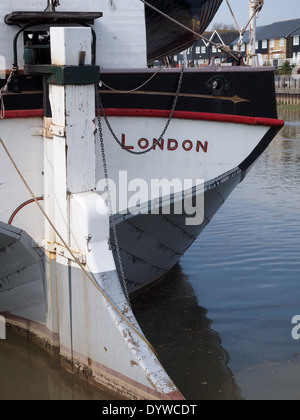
pixel 199 116
pixel 156 113
pixel 27 113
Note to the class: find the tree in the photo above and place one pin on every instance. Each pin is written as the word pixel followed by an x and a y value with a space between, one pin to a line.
pixel 286 68
pixel 223 27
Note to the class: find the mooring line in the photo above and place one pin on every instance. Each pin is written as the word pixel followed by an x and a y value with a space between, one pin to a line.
pixel 88 275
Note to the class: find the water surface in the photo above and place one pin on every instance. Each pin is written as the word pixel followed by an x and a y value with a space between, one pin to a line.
pixel 245 271
pixel 28 373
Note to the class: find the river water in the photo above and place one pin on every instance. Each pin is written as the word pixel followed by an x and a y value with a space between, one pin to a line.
pixel 228 308
pixel 221 323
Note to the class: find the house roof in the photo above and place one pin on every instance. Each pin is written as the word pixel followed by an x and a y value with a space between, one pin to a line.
pixel 259 29
pixel 279 29
pixel 275 30
pixel 296 32
pixel 219 36
pixel 227 36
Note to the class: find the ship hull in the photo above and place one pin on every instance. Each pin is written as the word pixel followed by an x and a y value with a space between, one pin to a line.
pixel 214 137
pixel 152 244
pixel 69 298
pixel 95 208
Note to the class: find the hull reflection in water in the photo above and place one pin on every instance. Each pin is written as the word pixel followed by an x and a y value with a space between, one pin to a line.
pixel 181 333
pixel 291 115
pixel 165 37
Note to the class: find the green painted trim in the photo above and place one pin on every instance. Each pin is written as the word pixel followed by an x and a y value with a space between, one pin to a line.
pixel 65 75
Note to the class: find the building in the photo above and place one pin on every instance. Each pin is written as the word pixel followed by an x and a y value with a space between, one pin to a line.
pixel 202 51
pixel 296 46
pixel 276 43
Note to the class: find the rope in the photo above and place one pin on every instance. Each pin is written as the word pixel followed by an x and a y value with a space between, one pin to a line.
pixel 233 15
pixel 2 110
pixel 88 275
pixel 3 92
pixel 258 5
pixel 132 90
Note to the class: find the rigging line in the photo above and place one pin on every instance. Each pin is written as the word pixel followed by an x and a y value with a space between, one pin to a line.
pixel 218 46
pixel 233 15
pixel 81 266
pixel 257 8
pixel 48 6
pixel 3 92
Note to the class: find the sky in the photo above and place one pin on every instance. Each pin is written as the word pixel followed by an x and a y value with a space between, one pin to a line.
pixel 273 11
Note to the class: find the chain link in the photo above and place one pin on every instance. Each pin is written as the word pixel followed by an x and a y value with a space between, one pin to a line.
pixel 110 207
pixel 100 107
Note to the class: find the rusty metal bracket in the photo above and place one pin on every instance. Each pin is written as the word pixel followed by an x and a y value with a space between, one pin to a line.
pixel 57 249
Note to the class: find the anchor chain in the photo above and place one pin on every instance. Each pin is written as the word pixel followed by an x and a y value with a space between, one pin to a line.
pixel 110 207
pixel 100 109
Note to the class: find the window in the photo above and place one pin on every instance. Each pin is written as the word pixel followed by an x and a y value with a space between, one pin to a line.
pixel 265 43
pixel 272 43
pixel 281 42
pixel 203 50
pixel 256 45
pixel 197 50
pixel 243 47
pixel 296 40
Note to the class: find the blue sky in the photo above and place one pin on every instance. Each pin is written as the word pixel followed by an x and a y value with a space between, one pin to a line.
pixel 273 11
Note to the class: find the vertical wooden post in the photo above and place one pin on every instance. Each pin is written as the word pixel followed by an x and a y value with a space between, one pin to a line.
pixel 72 157
pixel 94 336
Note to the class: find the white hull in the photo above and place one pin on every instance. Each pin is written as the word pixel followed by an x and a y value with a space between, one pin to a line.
pixel 150 244
pixel 226 146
